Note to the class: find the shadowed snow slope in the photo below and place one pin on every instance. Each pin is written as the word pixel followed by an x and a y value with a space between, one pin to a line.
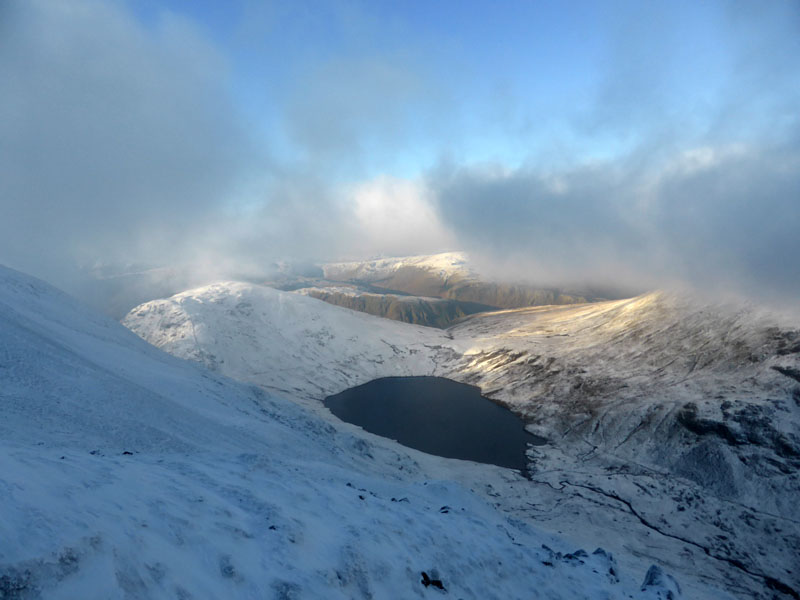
pixel 126 473
pixel 672 424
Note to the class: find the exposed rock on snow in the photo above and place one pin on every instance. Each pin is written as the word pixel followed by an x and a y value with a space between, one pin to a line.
pixel 660 584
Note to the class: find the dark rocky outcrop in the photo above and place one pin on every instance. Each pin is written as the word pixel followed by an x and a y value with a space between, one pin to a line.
pixel 750 425
pixel 428 581
pixel 789 372
pixel 422 282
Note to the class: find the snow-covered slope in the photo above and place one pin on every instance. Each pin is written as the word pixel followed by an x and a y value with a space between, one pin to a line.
pixel 126 473
pixel 657 361
pixel 672 424
pixel 284 342
pixel 684 415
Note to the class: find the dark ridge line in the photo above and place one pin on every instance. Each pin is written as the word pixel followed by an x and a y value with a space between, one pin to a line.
pixel 771 582
pixel 788 372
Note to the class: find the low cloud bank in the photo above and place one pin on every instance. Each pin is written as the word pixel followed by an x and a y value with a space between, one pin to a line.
pixel 717 219
pixel 121 144
pixel 113 137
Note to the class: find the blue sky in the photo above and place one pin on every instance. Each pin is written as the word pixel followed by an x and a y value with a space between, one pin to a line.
pixel 507 82
pixel 644 143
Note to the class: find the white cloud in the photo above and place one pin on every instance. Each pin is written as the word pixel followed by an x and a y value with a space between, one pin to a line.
pixel 397 216
pixel 718 218
pixel 114 138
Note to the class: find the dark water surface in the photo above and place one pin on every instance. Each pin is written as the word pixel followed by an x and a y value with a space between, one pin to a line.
pixel 438 416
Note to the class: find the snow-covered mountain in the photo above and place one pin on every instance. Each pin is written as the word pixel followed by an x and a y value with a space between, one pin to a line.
pixel 284 342
pixel 127 473
pixel 451 276
pixel 672 424
pixel 446 265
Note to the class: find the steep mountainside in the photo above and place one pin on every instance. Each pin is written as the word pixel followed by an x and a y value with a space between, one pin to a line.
pixel 126 473
pixel 672 424
pixel 430 312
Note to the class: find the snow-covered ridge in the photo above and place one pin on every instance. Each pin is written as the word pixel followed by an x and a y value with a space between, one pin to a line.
pixel 445 265
pixel 282 341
